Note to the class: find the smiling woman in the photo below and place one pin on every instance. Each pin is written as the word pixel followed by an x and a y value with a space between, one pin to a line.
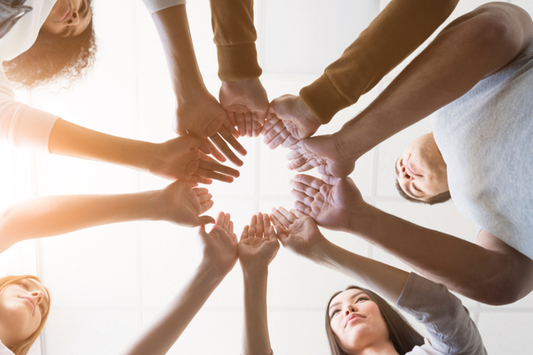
pixel 64 49
pixel 24 308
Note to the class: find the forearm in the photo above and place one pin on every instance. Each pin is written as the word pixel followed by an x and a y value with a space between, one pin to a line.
pixel 54 215
pixel 72 140
pixel 256 340
pixel 386 280
pixel 173 28
pixel 393 35
pixel 471 48
pixel 235 36
pixel 160 337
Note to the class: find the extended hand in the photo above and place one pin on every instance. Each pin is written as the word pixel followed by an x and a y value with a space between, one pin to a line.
pixel 258 245
pixel 332 203
pixel 183 203
pixel 296 117
pixel 204 117
pixel 275 133
pixel 184 158
pixel 321 151
pixel 297 231
pixel 246 103
pixel 219 246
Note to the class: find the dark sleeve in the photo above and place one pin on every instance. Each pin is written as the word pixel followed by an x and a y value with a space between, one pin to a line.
pixel 393 35
pixel 448 322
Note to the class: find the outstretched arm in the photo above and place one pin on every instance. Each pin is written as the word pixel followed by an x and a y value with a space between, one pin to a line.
pixel 179 203
pixel 219 257
pixel 257 248
pixel 489 271
pixel 469 49
pixel 198 113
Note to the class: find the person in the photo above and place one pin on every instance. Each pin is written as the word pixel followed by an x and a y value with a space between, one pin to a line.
pixel 359 321
pixel 503 243
pixel 395 33
pixel 24 308
pixel 25 302
pixel 181 203
pixel 219 256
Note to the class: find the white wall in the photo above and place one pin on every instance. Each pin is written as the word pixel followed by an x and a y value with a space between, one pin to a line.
pixel 109 282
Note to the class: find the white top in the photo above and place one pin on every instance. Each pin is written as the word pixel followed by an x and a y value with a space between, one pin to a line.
pixel 21 125
pixel 4 350
pixel 156 5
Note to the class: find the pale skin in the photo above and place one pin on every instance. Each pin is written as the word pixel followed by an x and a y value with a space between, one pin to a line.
pixel 448 68
pixel 257 247
pixel 181 203
pixel 198 112
pixel 68 18
pixel 489 271
pixel 219 250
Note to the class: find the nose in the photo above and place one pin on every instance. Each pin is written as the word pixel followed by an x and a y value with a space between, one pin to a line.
pixel 75 19
pixel 404 173
pixel 38 296
pixel 349 309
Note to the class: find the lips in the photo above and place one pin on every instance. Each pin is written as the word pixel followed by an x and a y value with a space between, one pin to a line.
pixel 410 170
pixel 31 301
pixel 352 317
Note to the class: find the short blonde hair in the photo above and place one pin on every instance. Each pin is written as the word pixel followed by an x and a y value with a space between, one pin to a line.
pixel 23 347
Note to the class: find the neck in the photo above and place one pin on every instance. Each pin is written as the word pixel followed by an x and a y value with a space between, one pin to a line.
pixel 382 348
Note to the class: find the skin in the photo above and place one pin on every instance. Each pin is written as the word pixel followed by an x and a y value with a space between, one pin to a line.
pixel 358 324
pixel 21 308
pixel 68 18
pixel 421 170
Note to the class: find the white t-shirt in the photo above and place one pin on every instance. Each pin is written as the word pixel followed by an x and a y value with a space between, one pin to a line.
pixel 4 350
pixel 156 5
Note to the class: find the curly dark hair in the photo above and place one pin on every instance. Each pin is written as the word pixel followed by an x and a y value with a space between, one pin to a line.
pixel 53 58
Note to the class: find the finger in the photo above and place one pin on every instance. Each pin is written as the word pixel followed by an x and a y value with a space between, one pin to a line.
pixel 230 127
pixel 303 208
pixel 220 219
pixel 294 154
pixel 279 139
pixel 259 226
pixel 203 220
pixel 227 220
pixel 289 216
pixel 214 151
pixel 297 213
pixel 241 124
pixel 290 141
pixel 200 190
pixel 303 198
pixel 269 123
pixel 272 232
pixel 204 147
pixel 266 223
pixel 201 180
pixel 215 175
pixel 230 138
pixel 256 127
pixel 249 124
pixel 308 190
pixel 309 164
pixel 204 198
pixel 273 133
pixel 308 180
pixel 278 214
pixel 230 230
pixel 297 163
pixel 253 223
pixel 281 231
pixel 206 206
pixel 209 163
pixel 221 144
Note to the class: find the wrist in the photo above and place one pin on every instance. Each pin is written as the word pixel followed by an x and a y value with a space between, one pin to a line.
pixel 362 218
pixel 254 270
pixel 212 271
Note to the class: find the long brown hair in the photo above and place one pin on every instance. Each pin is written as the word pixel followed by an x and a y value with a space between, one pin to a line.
pixel 403 336
pixel 24 346
pixel 53 59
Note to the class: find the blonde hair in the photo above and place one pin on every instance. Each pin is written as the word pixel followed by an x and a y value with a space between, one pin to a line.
pixel 23 347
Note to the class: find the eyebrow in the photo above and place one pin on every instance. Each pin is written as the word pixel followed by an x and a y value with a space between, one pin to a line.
pixel 351 298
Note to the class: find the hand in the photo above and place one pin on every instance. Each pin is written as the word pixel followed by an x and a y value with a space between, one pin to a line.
pixel 259 244
pixel 321 151
pixel 203 117
pixel 297 231
pixel 332 203
pixel 182 203
pixel 296 117
pixel 246 103
pixel 275 133
pixel 184 158
pixel 219 246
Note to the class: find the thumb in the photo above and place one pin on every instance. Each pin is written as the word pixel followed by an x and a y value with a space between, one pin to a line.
pixel 203 220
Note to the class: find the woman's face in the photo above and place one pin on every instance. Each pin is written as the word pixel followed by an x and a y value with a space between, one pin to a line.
pixel 68 18
pixel 22 306
pixel 357 321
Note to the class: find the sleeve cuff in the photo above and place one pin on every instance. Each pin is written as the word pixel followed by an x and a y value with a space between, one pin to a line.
pixel 238 62
pixel 32 128
pixel 323 99
pixel 157 5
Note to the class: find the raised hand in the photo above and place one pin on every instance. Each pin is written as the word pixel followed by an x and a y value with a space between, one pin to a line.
pixel 296 117
pixel 246 103
pixel 219 246
pixel 297 231
pixel 322 151
pixel 258 244
pixel 183 203
pixel 203 117
pixel 332 203
pixel 185 158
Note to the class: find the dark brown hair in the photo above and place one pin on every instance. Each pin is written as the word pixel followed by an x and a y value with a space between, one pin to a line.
pixel 24 346
pixel 53 58
pixel 403 336
pixel 442 197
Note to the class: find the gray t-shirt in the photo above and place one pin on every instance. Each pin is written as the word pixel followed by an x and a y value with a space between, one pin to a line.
pixel 486 140
pixel 452 331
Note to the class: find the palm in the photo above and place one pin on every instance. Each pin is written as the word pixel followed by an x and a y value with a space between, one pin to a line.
pixel 184 204
pixel 303 236
pixel 253 249
pixel 203 119
pixel 332 206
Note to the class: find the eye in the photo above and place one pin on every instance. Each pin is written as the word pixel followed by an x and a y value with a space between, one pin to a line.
pixel 416 188
pixel 362 299
pixel 334 313
pixel 23 285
